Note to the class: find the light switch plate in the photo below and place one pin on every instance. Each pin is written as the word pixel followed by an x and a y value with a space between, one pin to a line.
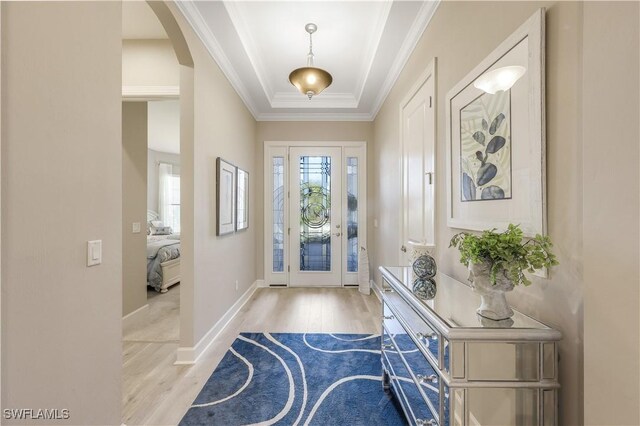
pixel 136 227
pixel 94 252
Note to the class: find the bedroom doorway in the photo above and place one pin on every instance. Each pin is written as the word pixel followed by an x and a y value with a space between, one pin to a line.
pixel 315 213
pixel 157 76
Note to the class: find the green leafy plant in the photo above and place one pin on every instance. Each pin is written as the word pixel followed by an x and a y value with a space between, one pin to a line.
pixel 506 251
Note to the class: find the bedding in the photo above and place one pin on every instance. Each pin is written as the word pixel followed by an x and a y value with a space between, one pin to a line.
pixel 160 230
pixel 160 248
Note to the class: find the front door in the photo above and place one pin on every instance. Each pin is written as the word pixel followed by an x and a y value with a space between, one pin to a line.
pixel 315 238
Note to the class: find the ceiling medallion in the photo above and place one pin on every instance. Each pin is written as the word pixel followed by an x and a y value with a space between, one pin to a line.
pixel 310 80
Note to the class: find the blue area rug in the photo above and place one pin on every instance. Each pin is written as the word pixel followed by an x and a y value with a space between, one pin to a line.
pixel 297 379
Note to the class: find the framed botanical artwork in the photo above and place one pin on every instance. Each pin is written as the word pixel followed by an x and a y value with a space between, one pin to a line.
pixel 242 200
pixel 496 138
pixel 225 197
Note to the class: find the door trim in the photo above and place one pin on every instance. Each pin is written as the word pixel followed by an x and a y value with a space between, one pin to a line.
pixel 280 148
pixel 428 73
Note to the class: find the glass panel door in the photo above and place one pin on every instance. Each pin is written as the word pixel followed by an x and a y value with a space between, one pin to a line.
pixel 316 219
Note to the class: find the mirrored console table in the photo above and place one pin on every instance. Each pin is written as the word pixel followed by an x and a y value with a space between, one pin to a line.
pixel 448 366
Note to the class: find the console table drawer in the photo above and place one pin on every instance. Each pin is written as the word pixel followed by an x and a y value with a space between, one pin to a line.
pixel 416 408
pixel 426 376
pixel 427 338
pixel 424 373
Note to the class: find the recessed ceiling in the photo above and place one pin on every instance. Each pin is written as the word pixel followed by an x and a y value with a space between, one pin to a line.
pixel 363 44
pixel 140 22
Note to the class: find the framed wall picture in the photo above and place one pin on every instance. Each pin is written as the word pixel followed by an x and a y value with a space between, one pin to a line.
pixel 225 197
pixel 496 138
pixel 242 197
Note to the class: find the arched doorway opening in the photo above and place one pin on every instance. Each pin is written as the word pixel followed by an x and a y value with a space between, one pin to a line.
pixel 149 91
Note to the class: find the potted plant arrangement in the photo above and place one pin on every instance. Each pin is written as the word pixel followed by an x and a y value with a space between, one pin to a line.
pixel 497 262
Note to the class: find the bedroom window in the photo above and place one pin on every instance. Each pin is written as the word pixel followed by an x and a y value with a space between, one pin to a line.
pixel 169 197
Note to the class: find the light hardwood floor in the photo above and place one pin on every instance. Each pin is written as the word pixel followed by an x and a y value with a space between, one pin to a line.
pixel 156 392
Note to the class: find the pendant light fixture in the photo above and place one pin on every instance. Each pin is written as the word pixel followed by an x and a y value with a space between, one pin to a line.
pixel 310 80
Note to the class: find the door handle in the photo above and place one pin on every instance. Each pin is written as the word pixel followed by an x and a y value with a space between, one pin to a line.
pixel 337 234
pixel 403 249
pixel 430 175
pixel 424 379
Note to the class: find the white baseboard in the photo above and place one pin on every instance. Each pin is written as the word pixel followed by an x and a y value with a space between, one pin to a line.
pixel 132 317
pixel 191 354
pixel 261 283
pixel 376 290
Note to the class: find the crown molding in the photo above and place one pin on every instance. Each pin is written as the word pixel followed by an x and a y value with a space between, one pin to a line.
pixel 427 10
pixel 316 116
pixel 202 30
pixel 327 100
pixel 374 42
pixel 242 29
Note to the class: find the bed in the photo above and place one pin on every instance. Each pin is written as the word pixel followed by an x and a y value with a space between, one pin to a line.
pixel 163 258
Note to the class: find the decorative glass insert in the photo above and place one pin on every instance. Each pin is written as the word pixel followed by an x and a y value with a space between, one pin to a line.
pixel 352 214
pixel 278 214
pixel 315 213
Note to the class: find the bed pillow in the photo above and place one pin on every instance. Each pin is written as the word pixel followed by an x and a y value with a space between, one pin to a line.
pixel 160 230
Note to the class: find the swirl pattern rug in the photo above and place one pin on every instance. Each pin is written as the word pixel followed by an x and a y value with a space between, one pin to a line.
pixel 297 379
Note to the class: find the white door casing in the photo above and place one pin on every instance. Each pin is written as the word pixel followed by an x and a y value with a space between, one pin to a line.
pixel 348 211
pixel 417 148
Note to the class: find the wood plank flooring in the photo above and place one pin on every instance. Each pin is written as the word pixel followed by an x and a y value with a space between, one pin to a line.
pixel 156 392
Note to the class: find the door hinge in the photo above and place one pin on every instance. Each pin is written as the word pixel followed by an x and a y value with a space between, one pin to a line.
pixel 288 268
pixel 288 194
pixel 430 102
pixel 288 231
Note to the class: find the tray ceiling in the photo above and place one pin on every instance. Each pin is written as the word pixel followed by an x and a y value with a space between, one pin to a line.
pixel 363 44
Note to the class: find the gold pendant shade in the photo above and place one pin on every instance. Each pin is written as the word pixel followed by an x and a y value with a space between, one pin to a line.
pixel 310 80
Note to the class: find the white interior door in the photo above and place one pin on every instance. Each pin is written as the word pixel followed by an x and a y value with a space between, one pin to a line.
pixel 418 160
pixel 315 216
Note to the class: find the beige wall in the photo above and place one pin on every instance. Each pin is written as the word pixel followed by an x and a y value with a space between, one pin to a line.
pixel 223 127
pixel 134 205
pixel 298 131
pixel 611 212
pixel 149 63
pixel 187 213
pixel 61 186
pixel 460 35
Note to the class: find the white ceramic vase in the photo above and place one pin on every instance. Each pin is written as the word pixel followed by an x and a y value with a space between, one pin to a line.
pixel 493 303
pixel 417 249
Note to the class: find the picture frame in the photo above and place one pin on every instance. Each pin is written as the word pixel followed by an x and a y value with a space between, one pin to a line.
pixel 225 197
pixel 242 200
pixel 495 156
